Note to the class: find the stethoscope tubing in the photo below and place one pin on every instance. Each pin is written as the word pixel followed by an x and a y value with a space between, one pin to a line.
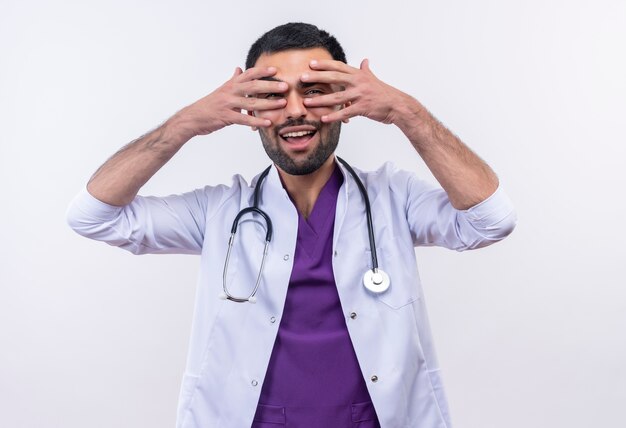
pixel 368 213
pixel 375 280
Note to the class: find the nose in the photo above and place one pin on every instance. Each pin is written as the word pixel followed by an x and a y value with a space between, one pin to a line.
pixel 295 107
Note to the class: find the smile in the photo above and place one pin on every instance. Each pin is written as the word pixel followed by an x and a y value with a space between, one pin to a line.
pixel 298 137
pixel 297 134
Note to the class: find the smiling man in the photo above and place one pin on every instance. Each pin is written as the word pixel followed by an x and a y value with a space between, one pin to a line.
pixel 323 345
pixel 310 143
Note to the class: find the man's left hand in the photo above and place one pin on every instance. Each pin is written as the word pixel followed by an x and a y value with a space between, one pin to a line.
pixel 364 94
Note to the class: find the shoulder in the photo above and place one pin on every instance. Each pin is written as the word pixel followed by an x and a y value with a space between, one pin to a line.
pixel 204 201
pixel 238 185
pixel 388 177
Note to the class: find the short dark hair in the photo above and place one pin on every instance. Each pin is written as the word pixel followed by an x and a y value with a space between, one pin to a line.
pixel 294 35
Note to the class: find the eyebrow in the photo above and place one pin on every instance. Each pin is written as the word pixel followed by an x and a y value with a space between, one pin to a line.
pixel 301 85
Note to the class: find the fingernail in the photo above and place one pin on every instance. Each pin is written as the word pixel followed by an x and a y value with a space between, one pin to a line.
pixel 313 62
pixel 282 85
pixel 305 76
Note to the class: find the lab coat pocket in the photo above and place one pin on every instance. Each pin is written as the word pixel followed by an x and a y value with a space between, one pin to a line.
pixel 397 258
pixel 268 416
pixel 364 415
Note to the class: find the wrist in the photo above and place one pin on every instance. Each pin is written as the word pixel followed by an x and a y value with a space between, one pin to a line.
pixel 177 130
pixel 409 115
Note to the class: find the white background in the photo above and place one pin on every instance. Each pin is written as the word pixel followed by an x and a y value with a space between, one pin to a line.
pixel 530 332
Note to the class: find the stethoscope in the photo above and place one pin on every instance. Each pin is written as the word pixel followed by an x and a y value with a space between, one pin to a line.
pixel 375 280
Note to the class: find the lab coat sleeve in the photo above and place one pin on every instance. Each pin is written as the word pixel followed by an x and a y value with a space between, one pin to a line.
pixel 434 221
pixel 171 224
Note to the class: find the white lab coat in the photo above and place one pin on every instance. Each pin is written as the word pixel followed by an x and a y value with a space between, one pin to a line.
pixel 231 343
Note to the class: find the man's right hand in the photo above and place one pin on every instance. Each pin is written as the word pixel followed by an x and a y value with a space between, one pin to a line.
pixel 225 106
pixel 119 179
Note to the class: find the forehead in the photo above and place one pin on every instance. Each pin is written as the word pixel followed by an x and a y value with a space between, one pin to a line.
pixel 292 61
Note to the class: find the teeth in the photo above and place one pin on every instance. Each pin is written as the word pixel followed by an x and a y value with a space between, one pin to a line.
pixel 297 134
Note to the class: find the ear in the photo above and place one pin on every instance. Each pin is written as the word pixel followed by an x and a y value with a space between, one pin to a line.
pixel 347 104
pixel 253 128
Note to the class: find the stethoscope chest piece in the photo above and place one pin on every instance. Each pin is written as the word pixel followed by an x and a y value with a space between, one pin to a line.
pixel 376 281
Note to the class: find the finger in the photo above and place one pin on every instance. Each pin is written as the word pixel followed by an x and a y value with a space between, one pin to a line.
pixel 365 65
pixel 247 120
pixel 330 100
pixel 344 115
pixel 256 73
pixel 256 87
pixel 331 65
pixel 238 71
pixel 327 77
pixel 259 104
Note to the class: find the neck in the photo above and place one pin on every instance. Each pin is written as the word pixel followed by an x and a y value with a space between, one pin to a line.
pixel 305 189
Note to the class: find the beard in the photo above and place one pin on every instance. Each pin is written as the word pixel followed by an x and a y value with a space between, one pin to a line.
pixel 328 141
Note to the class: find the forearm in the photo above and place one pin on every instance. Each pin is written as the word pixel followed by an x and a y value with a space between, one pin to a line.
pixel 119 179
pixel 466 178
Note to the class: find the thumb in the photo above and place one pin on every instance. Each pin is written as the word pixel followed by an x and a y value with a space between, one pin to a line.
pixel 365 65
pixel 237 72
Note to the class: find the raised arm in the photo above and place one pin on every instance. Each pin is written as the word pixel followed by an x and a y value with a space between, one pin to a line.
pixel 119 179
pixel 466 178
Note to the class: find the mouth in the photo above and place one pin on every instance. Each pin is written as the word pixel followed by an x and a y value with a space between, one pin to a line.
pixel 298 138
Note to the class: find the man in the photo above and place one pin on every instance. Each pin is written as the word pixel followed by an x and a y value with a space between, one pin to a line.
pixel 318 349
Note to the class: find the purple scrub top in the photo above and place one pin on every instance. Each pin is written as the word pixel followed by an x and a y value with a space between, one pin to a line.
pixel 313 379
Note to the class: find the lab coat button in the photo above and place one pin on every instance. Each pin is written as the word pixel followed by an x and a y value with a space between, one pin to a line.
pixel 254 382
pixel 353 315
pixel 286 257
pixel 374 378
pixel 335 253
pixel 273 320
